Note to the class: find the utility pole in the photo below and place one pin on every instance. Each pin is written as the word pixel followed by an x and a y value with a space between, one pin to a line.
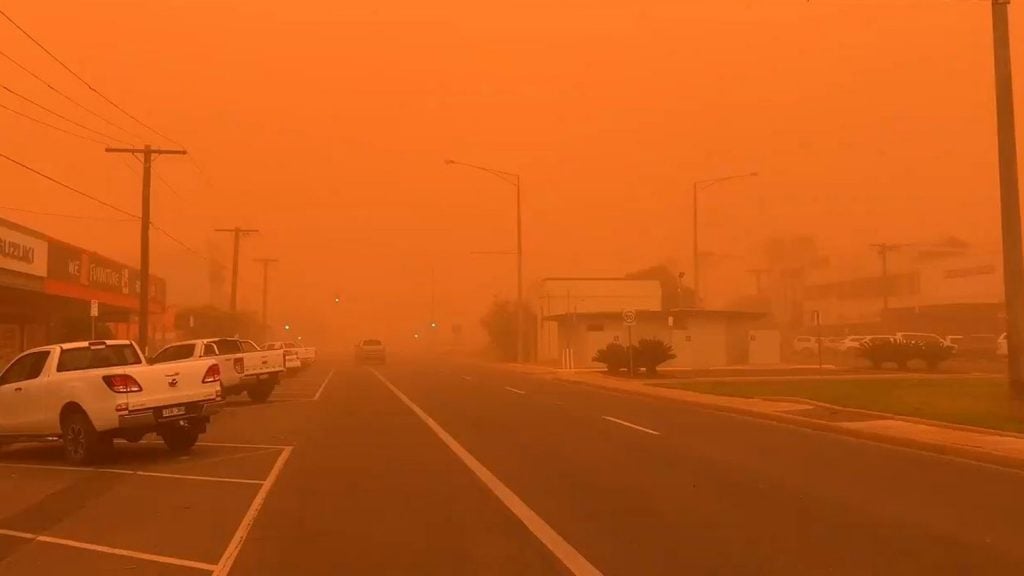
pixel 883 249
pixel 238 233
pixel 266 273
pixel 147 152
pixel 1009 199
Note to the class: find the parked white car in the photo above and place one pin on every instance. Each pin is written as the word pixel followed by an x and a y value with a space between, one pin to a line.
pixel 305 354
pixel 244 367
pixel 850 343
pixel 291 355
pixel 805 344
pixel 89 393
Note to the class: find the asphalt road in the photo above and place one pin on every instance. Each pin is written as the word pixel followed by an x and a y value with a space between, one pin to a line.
pixel 441 467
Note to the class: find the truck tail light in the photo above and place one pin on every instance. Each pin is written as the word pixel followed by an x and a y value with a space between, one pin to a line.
pixel 212 374
pixel 122 383
pixel 239 364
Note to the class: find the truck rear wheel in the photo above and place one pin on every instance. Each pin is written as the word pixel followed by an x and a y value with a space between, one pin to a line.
pixel 82 443
pixel 260 391
pixel 180 438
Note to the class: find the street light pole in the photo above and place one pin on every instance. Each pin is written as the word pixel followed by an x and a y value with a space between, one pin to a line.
pixel 697 187
pixel 1009 199
pixel 513 179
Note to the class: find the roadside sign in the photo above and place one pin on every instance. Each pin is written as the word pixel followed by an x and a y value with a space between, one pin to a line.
pixel 629 317
pixel 94 308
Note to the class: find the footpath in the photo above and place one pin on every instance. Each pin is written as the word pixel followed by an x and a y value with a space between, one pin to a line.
pixel 999 448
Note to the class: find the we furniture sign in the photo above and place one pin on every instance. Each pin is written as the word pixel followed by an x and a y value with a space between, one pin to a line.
pixel 20 252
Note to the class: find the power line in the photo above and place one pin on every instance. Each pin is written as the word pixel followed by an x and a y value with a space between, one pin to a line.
pixel 134 217
pixel 73 216
pixel 61 116
pixel 69 98
pixel 67 186
pixel 48 125
pixel 83 81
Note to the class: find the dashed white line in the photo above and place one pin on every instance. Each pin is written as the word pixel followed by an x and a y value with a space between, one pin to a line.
pixel 631 425
pixel 510 389
pixel 109 550
pixel 564 551
pixel 322 386
pixel 228 558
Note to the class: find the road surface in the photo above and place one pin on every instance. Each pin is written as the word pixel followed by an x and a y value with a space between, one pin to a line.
pixel 449 468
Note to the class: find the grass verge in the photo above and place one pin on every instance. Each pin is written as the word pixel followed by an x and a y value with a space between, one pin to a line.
pixel 982 402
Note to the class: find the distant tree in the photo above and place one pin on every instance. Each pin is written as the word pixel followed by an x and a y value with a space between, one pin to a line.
pixel 674 293
pixel 500 324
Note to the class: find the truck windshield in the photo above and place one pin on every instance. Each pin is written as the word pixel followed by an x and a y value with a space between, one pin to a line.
pixel 105 357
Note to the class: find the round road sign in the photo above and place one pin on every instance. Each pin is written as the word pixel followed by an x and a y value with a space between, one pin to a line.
pixel 629 317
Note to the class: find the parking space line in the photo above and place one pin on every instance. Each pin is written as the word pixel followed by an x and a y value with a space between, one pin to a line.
pixel 109 550
pixel 633 426
pixel 322 386
pixel 571 558
pixel 235 546
pixel 133 473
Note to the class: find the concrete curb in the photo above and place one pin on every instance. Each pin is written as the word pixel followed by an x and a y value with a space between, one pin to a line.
pixel 973 454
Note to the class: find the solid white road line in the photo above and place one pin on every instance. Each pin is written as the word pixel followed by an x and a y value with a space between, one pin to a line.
pixel 220 444
pixel 228 559
pixel 564 551
pixel 321 389
pixel 514 390
pixel 634 426
pixel 134 473
pixel 108 550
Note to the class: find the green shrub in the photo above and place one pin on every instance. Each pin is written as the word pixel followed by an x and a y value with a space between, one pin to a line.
pixel 651 353
pixel 614 356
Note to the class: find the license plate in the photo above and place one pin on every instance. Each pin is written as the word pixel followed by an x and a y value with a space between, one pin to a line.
pixel 173 411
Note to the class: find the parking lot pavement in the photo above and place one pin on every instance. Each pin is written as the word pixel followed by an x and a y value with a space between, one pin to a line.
pixel 305 386
pixel 146 510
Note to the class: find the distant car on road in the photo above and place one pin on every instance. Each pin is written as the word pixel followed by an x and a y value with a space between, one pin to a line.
pixel 370 350
pixel 89 393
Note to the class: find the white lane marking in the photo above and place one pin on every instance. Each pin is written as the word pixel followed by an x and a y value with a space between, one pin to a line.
pixel 634 426
pixel 564 551
pixel 225 444
pixel 321 389
pixel 107 549
pixel 134 473
pixel 228 558
pixel 514 390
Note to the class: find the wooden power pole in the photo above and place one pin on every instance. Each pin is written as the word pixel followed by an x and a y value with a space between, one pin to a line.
pixel 238 233
pixel 147 153
pixel 266 273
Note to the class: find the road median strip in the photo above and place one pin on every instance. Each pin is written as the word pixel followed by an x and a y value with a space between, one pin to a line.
pixel 1000 448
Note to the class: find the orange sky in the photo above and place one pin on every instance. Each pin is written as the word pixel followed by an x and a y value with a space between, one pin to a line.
pixel 326 124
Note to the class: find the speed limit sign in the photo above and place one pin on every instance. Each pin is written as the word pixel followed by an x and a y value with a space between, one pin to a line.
pixel 629 317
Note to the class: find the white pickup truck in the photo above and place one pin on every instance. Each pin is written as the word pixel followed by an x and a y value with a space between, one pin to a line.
pixel 304 355
pixel 89 393
pixel 243 366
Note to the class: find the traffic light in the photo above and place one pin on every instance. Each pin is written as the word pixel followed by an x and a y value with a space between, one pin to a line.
pixel 337 299
pixel 287 327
